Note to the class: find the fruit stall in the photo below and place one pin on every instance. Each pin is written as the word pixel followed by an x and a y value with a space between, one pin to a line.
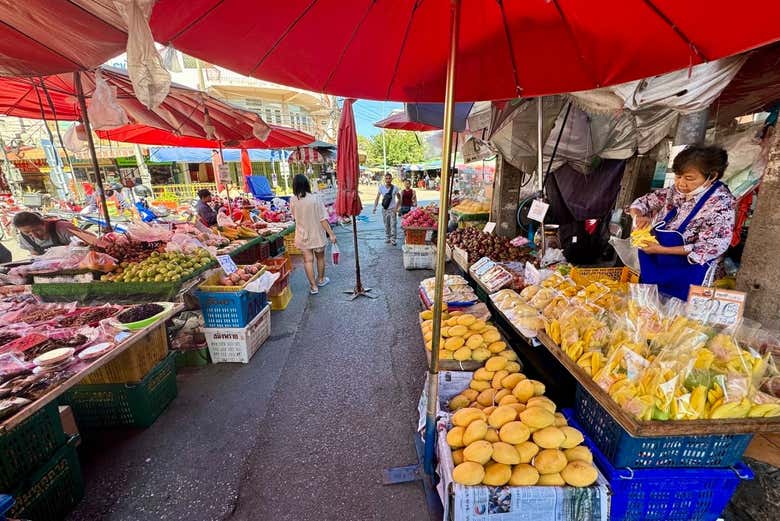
pixel 639 405
pixel 419 227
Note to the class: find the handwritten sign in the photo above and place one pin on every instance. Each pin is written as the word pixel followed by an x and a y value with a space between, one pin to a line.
pixel 224 173
pixel 489 227
pixel 716 306
pixel 228 266
pixel 538 210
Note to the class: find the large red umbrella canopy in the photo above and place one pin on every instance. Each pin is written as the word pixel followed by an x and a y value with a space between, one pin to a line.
pixel 401 121
pixel 397 49
pixel 279 137
pixel 348 165
pixel 183 112
pixel 43 37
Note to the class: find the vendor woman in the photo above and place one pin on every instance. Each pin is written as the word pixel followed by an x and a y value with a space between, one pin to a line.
pixel 693 221
pixel 37 234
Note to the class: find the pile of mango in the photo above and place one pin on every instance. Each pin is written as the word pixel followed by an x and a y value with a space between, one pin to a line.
pixel 465 337
pixel 506 432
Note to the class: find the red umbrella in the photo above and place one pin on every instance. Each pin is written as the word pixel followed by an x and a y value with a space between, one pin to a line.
pixel 279 137
pixel 398 49
pixel 246 167
pixel 347 174
pixel 400 121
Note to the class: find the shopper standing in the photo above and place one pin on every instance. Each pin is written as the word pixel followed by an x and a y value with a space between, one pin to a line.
pixel 311 226
pixel 391 198
pixel 408 198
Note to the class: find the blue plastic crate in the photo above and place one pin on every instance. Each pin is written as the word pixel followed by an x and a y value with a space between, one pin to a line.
pixel 624 450
pixel 231 309
pixel 666 494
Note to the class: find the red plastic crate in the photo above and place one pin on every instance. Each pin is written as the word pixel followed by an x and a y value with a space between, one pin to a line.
pixel 279 286
pixel 281 265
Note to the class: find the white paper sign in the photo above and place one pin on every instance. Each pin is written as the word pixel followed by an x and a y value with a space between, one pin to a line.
pixel 224 173
pixel 716 306
pixel 489 227
pixel 538 210
pixel 226 261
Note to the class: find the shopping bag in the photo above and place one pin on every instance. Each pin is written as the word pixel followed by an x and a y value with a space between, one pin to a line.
pixel 335 253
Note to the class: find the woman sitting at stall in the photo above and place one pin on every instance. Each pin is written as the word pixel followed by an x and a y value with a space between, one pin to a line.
pixel 37 234
pixel 693 222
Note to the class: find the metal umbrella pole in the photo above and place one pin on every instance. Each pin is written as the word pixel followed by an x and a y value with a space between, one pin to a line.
pixel 539 171
pixel 441 239
pixel 91 144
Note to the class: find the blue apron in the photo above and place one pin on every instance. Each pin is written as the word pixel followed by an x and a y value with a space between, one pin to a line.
pixel 674 274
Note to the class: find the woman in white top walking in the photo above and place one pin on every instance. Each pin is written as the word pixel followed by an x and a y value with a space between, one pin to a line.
pixel 311 226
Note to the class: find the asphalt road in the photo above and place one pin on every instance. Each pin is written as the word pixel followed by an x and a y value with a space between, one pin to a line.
pixel 300 433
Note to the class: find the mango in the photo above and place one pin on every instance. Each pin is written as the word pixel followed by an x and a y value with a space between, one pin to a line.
pixel 478 452
pixel 518 407
pixel 491 336
pixel 537 418
pixel 579 474
pixel 527 450
pixel 483 374
pixel 497 377
pixel 495 363
pixel 508 399
pixel 485 398
pixel 550 480
pixel 510 355
pixel 480 354
pixel 505 453
pixel 501 415
pixel 474 432
pixel 475 341
pixel 453 344
pixel 489 410
pixel 468 473
pixel 462 354
pixel 573 437
pixel 466 320
pixel 560 420
pixel 501 393
pixel 457 456
pixel 514 433
pixel 497 475
pixel 479 385
pixel 459 402
pixel 550 461
pixel 524 390
pixel 464 416
pixel 523 475
pixel 510 381
pixel 455 437
pixel 471 394
pixel 456 330
pixel 548 438
pixel 513 366
pixel 541 401
pixel 579 453
pixel 478 325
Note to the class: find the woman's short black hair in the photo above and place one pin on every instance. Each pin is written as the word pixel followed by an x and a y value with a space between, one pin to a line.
pixel 710 160
pixel 301 185
pixel 27 219
pixel 203 193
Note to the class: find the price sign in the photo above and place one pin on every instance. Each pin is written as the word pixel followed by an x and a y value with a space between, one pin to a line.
pixel 224 173
pixel 538 210
pixel 716 306
pixel 489 227
pixel 228 266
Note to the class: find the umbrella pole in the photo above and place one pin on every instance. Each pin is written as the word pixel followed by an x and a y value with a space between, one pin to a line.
pixel 359 290
pixel 441 241
pixel 539 164
pixel 91 144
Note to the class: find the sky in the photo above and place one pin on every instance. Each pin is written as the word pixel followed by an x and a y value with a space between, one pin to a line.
pixel 367 112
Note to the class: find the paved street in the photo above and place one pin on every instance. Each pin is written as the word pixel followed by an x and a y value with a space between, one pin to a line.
pixel 302 432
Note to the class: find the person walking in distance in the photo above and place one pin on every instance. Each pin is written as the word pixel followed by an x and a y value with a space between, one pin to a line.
pixel 391 202
pixel 408 198
pixel 311 226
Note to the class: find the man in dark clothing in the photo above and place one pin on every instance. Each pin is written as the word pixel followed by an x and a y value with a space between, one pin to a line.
pixel 205 211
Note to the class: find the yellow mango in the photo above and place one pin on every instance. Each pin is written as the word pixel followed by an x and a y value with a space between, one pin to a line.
pixel 483 374
pixel 527 450
pixel 464 416
pixel 550 480
pixel 480 354
pixel 550 461
pixel 496 347
pixel 495 363
pixel 505 453
pixel 548 438
pixel 455 437
pixel 474 432
pixel 523 475
pixel 462 354
pixel 573 437
pixel 497 475
pixel 479 452
pixel 514 433
pixel 497 377
pixel 537 418
pixel 579 474
pixel 468 473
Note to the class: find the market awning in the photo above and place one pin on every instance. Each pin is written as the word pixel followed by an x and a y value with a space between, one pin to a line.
pixel 397 50
pixel 43 37
pixel 305 155
pixel 203 155
pixel 400 121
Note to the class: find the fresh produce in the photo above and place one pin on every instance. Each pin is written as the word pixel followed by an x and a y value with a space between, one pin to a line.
pixel 422 217
pixel 470 206
pixel 240 276
pixel 235 232
pixel 88 316
pixel 479 244
pixel 465 337
pixel 161 267
pixel 653 360
pixel 128 250
pixel 139 312
pixel 643 237
pixel 522 443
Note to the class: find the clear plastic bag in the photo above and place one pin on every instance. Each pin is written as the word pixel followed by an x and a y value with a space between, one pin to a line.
pixel 104 112
pixel 72 141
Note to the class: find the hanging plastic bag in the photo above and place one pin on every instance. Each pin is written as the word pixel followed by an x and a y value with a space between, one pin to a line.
pixel 335 253
pixel 104 111
pixel 170 59
pixel 72 140
pixel 151 82
pixel 260 129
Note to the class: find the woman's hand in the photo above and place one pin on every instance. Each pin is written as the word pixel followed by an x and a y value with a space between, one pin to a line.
pixel 654 249
pixel 332 237
pixel 640 221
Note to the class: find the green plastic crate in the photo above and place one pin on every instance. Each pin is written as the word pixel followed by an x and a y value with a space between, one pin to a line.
pixel 116 405
pixel 27 446
pixel 53 490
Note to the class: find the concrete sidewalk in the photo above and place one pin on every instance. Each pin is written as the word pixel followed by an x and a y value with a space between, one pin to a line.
pixel 300 433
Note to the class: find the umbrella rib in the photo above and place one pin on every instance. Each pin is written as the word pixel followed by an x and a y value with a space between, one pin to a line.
pixel 283 35
pixel 93 15
pixel 195 21
pixel 19 100
pixel 371 4
pixel 416 5
pixel 518 88
pixel 676 29
pixel 570 30
pixel 24 35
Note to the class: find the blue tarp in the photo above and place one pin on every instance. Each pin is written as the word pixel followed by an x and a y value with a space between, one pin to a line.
pixel 258 185
pixel 203 155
